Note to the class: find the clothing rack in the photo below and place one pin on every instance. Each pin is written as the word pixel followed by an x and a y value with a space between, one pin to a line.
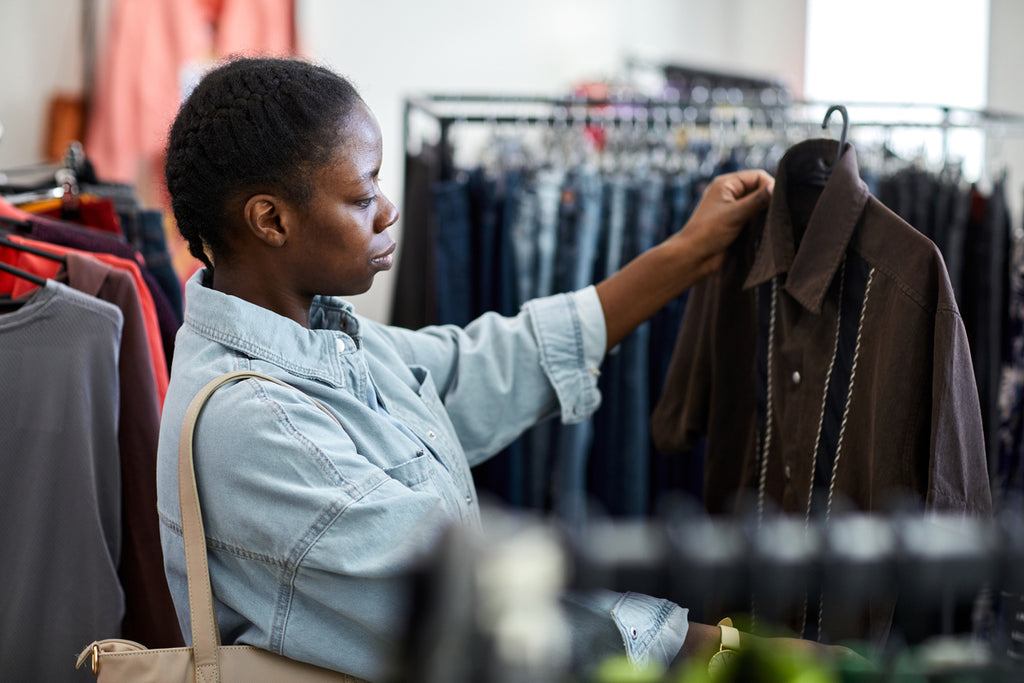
pixel 933 561
pixel 693 109
pixel 58 179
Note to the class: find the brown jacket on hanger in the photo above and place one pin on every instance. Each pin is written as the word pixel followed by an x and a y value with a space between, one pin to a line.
pixel 913 427
pixel 873 401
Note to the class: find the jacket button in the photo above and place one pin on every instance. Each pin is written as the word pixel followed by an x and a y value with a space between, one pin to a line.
pixel 431 434
pixel 788 471
pixel 796 377
pixel 633 633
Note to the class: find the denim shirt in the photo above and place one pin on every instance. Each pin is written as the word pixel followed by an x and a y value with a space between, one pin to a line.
pixel 312 530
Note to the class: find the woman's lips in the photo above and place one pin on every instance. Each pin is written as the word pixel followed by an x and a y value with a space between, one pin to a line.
pixel 385 259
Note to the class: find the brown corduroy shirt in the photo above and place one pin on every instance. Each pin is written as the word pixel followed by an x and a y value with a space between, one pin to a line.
pixel 912 428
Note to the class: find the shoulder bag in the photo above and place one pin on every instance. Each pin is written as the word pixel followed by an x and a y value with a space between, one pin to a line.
pixel 120 661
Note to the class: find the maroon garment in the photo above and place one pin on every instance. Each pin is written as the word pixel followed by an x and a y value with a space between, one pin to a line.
pixel 70 235
pixel 149 613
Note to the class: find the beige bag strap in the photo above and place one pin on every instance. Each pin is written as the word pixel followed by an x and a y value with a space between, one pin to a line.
pixel 205 633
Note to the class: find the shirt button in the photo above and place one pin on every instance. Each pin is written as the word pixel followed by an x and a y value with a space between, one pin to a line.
pixel 469 500
pixel 788 471
pixel 796 377
pixel 431 434
pixel 633 633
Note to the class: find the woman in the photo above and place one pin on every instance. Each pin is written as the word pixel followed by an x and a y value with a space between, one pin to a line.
pixel 272 168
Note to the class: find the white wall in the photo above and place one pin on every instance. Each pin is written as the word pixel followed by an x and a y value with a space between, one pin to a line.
pixel 394 48
pixel 1006 55
pixel 40 49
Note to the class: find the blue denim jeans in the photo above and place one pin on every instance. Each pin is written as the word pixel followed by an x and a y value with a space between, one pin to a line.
pixel 623 472
pixel 153 247
pixel 540 443
pixel 673 476
pixel 580 240
pixel 454 252
pixel 522 227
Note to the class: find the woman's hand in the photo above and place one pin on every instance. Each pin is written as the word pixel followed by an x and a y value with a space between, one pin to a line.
pixel 703 640
pixel 729 202
pixel 652 279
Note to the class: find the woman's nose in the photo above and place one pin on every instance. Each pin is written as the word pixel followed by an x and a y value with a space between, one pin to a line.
pixel 388 214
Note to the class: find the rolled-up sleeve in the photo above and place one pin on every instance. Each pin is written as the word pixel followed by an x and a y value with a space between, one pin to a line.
pixel 499 375
pixel 649 630
pixel 571 335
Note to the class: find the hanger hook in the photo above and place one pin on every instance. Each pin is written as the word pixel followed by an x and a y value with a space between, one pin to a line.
pixel 846 126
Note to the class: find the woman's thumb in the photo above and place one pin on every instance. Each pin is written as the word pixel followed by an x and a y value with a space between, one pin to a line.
pixel 749 205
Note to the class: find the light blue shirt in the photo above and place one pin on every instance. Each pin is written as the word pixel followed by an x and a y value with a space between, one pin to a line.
pixel 312 530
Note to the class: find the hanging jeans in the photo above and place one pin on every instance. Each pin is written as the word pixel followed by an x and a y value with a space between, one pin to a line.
pixel 539 445
pixel 523 231
pixel 501 476
pixel 578 241
pixel 620 212
pixel 672 476
pixel 153 247
pixel 485 208
pixel 454 252
pixel 622 470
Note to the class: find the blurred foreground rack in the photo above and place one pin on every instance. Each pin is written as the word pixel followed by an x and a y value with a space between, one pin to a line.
pixel 936 565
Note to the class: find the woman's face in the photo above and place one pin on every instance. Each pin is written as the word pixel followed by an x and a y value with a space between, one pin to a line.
pixel 343 239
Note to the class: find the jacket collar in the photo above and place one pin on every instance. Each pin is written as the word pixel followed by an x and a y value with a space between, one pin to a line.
pixel 260 333
pixel 811 268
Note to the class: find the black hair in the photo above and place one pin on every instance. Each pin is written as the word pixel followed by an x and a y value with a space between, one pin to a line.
pixel 251 125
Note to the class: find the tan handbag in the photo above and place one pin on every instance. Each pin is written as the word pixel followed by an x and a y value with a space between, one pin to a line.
pixel 120 661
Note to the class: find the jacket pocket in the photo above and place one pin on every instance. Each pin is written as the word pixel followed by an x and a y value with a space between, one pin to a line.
pixel 424 474
pixel 412 473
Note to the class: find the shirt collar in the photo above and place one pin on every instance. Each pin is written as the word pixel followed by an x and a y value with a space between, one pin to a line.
pixel 810 270
pixel 260 333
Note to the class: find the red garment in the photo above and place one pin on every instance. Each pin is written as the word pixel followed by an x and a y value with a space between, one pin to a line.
pixel 93 212
pixel 151 49
pixel 43 267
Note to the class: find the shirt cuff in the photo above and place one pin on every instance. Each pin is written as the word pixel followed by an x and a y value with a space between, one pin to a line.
pixel 571 337
pixel 652 629
pixel 595 334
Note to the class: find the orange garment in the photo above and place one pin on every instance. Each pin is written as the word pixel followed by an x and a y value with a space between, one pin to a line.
pixel 151 47
pixel 46 268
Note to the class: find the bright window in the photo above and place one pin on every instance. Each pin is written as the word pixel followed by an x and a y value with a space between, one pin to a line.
pixel 931 52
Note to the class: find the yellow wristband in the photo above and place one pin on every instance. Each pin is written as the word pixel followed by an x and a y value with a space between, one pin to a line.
pixel 727 650
pixel 730 635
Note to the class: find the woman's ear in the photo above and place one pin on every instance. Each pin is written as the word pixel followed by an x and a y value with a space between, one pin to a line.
pixel 266 217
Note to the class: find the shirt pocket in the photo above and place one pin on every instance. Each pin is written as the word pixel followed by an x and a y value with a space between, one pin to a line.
pixel 423 474
pixel 426 389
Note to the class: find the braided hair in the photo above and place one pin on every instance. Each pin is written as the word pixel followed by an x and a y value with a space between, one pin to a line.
pixel 251 125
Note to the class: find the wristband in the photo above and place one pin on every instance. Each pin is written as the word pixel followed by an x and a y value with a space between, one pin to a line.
pixel 727 650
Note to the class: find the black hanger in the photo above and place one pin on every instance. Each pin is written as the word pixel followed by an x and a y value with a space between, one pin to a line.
pixel 846 128
pixel 18 225
pixel 816 171
pixel 11 244
pixel 23 274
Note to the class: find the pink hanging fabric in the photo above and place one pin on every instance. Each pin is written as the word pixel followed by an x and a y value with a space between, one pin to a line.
pixel 151 48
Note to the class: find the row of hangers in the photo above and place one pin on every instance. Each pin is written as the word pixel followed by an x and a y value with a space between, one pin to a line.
pixel 63 185
pixel 678 146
